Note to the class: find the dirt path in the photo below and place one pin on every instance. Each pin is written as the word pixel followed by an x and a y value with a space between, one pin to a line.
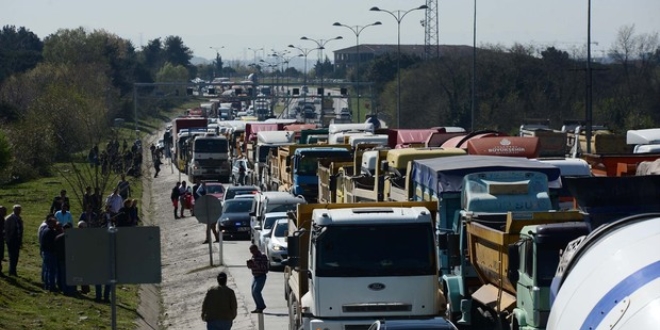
pixel 186 272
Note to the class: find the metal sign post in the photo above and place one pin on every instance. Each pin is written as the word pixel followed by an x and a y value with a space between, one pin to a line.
pixel 207 210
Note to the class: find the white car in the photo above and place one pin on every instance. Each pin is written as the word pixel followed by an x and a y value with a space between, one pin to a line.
pixel 261 234
pixel 276 245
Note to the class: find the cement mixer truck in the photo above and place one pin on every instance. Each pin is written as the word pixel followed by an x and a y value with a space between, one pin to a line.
pixel 610 279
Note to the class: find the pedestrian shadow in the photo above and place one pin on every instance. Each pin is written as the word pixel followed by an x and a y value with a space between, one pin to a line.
pixel 19 282
pixel 276 314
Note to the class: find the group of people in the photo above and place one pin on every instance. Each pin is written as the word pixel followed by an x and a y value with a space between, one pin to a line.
pixel 219 308
pixel 126 160
pixel 115 210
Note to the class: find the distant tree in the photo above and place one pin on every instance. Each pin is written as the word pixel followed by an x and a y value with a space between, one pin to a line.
pixel 176 53
pixel 218 66
pixel 20 50
pixel 323 69
pixel 154 55
pixel 5 153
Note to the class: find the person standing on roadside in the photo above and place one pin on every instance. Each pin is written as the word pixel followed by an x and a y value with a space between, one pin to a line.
pixel 59 201
pixel 219 308
pixel 174 196
pixel 60 254
pixel 97 201
pixel 14 238
pixel 3 214
pixel 49 266
pixel 115 201
pixel 63 216
pixel 258 264
pixel 124 187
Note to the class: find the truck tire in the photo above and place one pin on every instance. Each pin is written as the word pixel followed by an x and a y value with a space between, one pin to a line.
pixel 294 320
pixel 481 317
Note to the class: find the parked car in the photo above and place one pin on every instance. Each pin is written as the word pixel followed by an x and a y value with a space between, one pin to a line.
pixel 276 244
pixel 238 165
pixel 215 189
pixel 424 324
pixel 235 218
pixel 232 191
pixel 260 231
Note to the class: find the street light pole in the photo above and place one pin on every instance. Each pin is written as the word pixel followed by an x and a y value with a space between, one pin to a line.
pixel 254 53
pixel 305 52
pixel 217 54
pixel 321 45
pixel 357 29
pixel 398 16
pixel 589 113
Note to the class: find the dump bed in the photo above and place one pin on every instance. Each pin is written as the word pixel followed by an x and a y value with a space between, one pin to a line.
pixel 606 199
pixel 489 238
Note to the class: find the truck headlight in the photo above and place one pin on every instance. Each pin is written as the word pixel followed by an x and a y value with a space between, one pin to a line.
pixel 278 247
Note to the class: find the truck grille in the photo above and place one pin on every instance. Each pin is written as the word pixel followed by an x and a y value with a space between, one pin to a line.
pixel 369 308
pixel 357 327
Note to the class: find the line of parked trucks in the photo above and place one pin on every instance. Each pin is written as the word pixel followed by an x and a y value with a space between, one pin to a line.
pixel 490 230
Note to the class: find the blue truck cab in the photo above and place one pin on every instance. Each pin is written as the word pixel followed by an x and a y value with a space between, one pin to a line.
pixel 304 168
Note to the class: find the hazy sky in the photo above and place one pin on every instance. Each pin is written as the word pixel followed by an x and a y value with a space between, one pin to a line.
pixel 274 24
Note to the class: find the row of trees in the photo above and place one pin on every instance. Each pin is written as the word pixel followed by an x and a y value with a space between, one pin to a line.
pixel 59 96
pixel 524 82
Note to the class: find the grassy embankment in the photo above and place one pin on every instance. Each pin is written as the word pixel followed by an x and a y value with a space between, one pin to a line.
pixel 24 304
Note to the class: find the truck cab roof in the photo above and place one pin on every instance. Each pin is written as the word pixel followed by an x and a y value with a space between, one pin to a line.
pixel 372 215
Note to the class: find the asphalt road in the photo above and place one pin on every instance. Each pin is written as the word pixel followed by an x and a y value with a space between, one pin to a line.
pixel 187 272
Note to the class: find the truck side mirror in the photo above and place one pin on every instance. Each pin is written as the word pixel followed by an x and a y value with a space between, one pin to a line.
pixel 292 247
pixel 514 263
pixel 383 166
pixel 333 183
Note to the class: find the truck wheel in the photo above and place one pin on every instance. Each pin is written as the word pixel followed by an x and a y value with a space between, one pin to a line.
pixel 294 324
pixel 481 316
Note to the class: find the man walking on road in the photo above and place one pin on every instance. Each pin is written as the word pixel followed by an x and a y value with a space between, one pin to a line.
pixel 258 264
pixel 219 308
pixel 174 196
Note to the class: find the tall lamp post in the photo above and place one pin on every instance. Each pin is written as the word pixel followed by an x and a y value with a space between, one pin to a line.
pixel 398 16
pixel 320 43
pixel 357 29
pixel 217 54
pixel 589 113
pixel 254 53
pixel 305 52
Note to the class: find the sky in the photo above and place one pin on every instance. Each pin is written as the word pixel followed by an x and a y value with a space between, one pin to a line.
pixel 236 28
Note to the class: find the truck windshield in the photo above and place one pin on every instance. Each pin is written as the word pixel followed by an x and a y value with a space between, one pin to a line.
pixel 376 250
pixel 308 163
pixel 263 154
pixel 211 146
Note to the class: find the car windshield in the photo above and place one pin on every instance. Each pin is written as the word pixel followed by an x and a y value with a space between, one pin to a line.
pixel 237 206
pixel 284 207
pixel 280 230
pixel 270 221
pixel 215 189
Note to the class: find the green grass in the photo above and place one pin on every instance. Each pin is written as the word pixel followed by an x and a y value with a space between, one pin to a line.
pixel 23 302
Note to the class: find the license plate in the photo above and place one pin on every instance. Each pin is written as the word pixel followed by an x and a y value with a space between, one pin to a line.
pixel 243 228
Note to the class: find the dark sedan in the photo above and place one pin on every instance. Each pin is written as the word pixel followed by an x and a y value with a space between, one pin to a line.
pixel 235 218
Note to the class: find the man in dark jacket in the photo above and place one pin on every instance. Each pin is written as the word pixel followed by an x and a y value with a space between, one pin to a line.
pixel 60 251
pixel 219 306
pixel 174 196
pixel 49 254
pixel 14 238
pixel 3 214
pixel 59 201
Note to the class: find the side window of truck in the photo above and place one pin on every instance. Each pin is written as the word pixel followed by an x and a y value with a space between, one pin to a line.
pixel 529 260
